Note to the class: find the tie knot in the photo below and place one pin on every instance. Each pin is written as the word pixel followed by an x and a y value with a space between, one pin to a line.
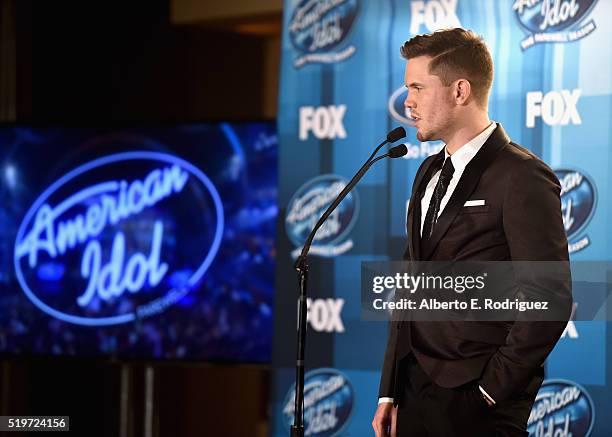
pixel 447 169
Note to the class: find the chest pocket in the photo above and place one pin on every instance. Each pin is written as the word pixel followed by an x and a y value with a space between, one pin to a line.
pixel 474 209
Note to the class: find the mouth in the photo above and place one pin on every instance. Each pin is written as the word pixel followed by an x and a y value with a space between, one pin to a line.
pixel 412 117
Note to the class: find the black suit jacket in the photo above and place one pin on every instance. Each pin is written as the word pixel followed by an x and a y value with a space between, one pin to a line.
pixel 520 221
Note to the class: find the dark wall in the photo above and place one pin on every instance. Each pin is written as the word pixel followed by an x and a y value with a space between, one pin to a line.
pixel 214 401
pixel 188 399
pixel 123 61
pixel 88 392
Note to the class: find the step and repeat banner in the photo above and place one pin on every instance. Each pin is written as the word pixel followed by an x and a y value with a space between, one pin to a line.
pixel 341 91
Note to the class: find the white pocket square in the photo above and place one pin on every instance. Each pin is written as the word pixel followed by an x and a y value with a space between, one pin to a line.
pixel 475 203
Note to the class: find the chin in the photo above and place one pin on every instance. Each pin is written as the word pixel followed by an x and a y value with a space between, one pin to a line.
pixel 422 136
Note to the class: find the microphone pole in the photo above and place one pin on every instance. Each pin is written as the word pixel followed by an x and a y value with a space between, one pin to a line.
pixel 301 266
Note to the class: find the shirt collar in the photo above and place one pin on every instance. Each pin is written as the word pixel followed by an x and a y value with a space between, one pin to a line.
pixel 465 153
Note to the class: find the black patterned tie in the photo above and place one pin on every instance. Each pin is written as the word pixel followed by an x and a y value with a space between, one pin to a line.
pixel 434 204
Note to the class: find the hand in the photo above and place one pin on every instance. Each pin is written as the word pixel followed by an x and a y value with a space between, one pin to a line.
pixel 478 400
pixel 489 403
pixel 385 420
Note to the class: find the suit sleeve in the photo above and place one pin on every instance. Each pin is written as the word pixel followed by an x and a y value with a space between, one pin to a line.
pixel 387 377
pixel 534 230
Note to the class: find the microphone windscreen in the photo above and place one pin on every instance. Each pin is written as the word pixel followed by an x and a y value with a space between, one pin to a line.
pixel 396 134
pixel 398 151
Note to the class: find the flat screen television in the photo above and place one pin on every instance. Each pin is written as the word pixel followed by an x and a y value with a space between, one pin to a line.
pixel 141 242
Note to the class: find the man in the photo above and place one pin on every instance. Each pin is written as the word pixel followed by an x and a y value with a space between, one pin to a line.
pixel 469 378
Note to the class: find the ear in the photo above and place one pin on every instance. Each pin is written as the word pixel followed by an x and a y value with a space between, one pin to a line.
pixel 462 91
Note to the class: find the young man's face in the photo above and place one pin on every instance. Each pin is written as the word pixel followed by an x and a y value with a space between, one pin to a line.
pixel 429 101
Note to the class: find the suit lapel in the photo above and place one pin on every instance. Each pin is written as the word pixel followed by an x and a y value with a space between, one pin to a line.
pixel 465 187
pixel 413 221
pixel 414 241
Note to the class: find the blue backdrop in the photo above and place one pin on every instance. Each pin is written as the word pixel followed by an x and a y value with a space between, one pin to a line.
pixel 341 90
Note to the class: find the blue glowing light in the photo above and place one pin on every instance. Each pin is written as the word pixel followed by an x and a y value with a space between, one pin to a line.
pixel 51 271
pixel 10 175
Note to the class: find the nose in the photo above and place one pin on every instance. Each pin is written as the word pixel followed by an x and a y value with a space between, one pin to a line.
pixel 409 103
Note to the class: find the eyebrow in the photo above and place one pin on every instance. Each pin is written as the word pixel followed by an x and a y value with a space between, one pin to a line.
pixel 412 84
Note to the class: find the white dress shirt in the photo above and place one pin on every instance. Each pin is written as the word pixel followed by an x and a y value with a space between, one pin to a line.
pixel 460 160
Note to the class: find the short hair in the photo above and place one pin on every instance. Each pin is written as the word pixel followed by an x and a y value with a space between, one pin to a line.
pixel 455 53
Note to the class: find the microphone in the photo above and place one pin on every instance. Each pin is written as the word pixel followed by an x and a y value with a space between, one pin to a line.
pixel 396 134
pixel 301 266
pixel 392 136
pixel 394 152
pixel 397 151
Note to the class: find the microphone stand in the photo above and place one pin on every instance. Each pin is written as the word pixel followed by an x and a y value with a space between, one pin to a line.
pixel 301 266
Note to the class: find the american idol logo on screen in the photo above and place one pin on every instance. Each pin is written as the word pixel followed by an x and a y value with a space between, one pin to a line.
pixel 328 403
pixel 578 202
pixel 317 28
pixel 306 207
pixel 561 408
pixel 554 21
pixel 119 238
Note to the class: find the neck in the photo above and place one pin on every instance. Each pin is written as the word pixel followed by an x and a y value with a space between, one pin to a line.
pixel 465 131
